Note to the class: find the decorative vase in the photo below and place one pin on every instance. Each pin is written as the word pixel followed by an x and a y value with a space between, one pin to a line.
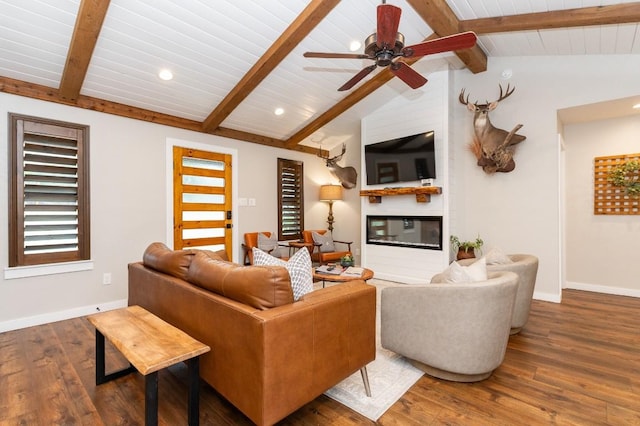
pixel 346 263
pixel 465 254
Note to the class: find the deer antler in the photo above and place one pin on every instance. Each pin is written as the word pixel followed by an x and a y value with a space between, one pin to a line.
pixel 503 95
pixel 461 98
pixel 507 93
pixel 335 159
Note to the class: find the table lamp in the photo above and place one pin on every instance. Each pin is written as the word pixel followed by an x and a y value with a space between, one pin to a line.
pixel 330 193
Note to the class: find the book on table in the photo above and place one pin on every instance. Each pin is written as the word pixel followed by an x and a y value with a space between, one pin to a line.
pixel 353 271
pixel 329 269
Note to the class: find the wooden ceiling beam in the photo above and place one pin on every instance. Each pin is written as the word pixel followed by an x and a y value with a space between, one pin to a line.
pixel 49 94
pixel 89 21
pixel 441 19
pixel 288 40
pixel 583 17
pixel 261 140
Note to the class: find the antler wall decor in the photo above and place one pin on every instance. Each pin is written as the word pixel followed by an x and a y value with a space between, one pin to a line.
pixel 346 175
pixel 492 147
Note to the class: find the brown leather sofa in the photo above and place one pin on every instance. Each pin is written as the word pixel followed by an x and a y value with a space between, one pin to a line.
pixel 269 355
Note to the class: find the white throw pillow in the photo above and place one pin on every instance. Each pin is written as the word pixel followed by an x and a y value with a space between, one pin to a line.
pixel 326 242
pixel 298 266
pixel 269 245
pixel 457 273
pixel 495 256
pixel 477 271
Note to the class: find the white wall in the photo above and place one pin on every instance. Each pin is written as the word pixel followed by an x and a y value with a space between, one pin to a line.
pixel 602 251
pixel 418 111
pixel 520 211
pixel 129 207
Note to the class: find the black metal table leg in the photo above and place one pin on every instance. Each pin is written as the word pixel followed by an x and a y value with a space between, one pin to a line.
pixel 151 399
pixel 194 391
pixel 101 376
pixel 99 358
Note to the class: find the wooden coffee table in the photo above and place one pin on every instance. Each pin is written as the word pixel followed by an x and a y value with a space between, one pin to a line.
pixel 149 344
pixel 367 274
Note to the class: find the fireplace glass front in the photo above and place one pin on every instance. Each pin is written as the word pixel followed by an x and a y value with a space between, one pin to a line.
pixel 423 232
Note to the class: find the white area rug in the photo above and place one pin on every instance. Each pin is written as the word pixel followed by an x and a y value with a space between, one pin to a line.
pixel 390 376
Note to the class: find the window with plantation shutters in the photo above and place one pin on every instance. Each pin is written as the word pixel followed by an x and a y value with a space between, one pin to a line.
pixel 49 191
pixel 290 199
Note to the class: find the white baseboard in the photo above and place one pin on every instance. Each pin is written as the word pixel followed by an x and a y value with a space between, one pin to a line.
pixel 547 297
pixel 618 291
pixel 60 315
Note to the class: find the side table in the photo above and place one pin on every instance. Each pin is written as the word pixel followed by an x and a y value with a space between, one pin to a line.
pixel 297 245
pixel 149 344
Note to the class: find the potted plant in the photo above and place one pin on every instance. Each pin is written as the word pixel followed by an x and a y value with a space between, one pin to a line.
pixel 346 260
pixel 465 249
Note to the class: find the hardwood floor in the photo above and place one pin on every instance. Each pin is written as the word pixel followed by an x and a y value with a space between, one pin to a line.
pixel 575 363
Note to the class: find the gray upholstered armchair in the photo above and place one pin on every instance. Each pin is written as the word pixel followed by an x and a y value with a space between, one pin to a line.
pixel 455 332
pixel 526 266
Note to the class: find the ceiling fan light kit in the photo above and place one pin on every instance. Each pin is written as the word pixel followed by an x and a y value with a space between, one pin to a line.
pixel 386 47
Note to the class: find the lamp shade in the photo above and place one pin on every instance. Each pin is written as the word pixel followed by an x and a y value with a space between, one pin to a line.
pixel 330 192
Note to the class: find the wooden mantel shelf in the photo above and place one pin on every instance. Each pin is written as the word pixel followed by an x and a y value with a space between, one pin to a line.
pixel 422 193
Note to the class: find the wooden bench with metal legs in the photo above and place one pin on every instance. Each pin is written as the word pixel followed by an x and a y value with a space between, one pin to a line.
pixel 149 344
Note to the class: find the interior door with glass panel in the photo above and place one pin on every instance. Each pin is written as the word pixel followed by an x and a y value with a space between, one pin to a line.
pixel 202 215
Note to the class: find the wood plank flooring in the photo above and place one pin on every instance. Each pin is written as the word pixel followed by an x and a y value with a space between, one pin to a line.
pixel 575 363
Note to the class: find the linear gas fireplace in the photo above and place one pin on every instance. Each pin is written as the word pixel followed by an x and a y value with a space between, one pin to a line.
pixel 423 232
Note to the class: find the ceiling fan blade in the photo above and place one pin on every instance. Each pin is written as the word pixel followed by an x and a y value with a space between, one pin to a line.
pixel 407 74
pixel 444 44
pixel 356 78
pixel 388 21
pixel 337 55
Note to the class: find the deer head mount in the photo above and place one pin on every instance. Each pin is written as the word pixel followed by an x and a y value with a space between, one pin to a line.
pixel 346 175
pixel 492 147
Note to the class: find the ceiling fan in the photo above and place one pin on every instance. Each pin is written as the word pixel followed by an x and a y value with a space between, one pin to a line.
pixel 387 44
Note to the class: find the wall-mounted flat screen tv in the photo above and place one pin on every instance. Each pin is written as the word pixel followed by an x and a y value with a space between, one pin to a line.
pixel 404 159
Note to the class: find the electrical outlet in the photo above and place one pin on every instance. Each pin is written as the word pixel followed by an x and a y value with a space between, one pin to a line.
pixel 106 278
pixel 252 202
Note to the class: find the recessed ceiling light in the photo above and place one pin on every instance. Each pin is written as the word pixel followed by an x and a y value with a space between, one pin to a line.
pixel 637 106
pixel 165 75
pixel 278 111
pixel 355 46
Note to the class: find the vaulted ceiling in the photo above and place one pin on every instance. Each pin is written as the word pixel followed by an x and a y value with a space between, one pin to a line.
pixel 235 61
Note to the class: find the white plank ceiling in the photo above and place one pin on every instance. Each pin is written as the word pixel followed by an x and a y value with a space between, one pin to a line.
pixel 211 45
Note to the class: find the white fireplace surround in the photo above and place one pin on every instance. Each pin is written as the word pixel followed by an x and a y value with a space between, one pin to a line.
pixel 427 110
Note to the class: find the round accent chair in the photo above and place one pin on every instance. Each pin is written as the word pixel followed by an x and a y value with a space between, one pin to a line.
pixel 526 267
pixel 456 332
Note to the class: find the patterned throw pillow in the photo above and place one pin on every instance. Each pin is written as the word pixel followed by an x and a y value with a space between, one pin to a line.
pixel 326 242
pixel 269 245
pixel 299 267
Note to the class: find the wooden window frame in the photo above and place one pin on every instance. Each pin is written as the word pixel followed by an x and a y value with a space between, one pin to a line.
pixel 287 168
pixel 19 126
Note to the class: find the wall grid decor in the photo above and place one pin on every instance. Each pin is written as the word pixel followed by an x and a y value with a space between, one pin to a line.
pixel 610 199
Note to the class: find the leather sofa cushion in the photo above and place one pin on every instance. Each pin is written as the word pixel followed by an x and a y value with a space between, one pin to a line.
pixel 262 287
pixel 174 262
